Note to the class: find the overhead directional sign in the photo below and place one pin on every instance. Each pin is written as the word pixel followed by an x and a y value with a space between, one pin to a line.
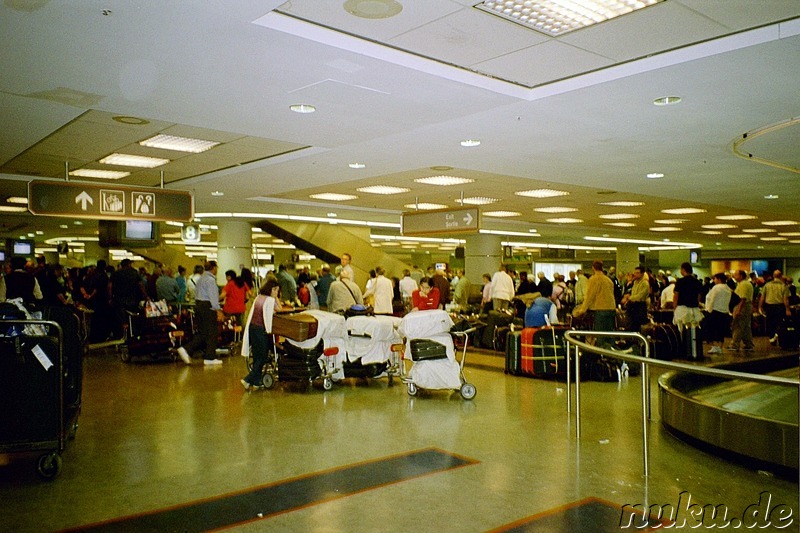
pixel 464 220
pixel 108 202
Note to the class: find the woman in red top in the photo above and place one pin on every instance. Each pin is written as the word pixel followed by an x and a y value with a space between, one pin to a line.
pixel 425 297
pixel 234 296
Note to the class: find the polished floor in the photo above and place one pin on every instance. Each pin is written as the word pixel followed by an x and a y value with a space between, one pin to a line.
pixel 159 437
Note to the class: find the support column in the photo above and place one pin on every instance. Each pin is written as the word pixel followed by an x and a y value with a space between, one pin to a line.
pixel 483 254
pixel 92 252
pixel 627 259
pixel 233 247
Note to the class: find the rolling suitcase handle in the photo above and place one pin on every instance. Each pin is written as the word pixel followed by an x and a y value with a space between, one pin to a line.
pixel 555 348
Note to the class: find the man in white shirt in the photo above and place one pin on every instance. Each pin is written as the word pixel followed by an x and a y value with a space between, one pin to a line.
pixel 502 289
pixel 407 287
pixel 382 291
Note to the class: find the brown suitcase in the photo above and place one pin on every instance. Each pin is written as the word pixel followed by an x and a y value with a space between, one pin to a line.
pixel 298 326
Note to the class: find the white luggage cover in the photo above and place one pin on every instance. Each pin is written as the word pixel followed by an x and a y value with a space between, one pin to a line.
pixel 423 324
pixel 379 328
pixel 371 338
pixel 436 373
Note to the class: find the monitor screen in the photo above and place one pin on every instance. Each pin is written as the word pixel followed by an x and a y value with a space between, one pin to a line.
pixel 2 256
pixel 141 230
pixel 441 266
pixel 23 248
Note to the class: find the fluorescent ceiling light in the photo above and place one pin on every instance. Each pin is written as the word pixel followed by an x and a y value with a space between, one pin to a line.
pixel 790 234
pixel 383 189
pixel 622 203
pixel 779 222
pixel 541 193
pixel 773 238
pixel 709 232
pixel 667 100
pixel 469 143
pixel 217 193
pixel 302 108
pixel 179 144
pixel 758 230
pixel 671 221
pixel 127 160
pixel 736 217
pixel 742 236
pixel 557 17
pixel 425 206
pixel 683 211
pixel 356 165
pixel 100 174
pixel 655 175
pixel 444 180
pixel 333 197
pixel 501 214
pixel 665 228
pixel 618 216
pixel 477 200
pixel 718 226
pixel 565 220
pixel 555 209
pixel 12 209
pixel 641 241
pixel 17 200
pixel 620 224
pixel 771 197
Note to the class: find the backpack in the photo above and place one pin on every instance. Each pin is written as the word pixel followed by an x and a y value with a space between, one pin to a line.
pixel 567 296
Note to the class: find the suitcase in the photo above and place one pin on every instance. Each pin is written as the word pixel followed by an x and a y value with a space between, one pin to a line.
pixel 290 351
pixel 150 336
pixel 357 370
pixel 544 351
pixel 290 369
pixel 513 353
pixel 595 367
pixel 665 340
pixel 789 334
pixel 73 351
pixel 298 327
pixel 495 319
pixel 692 343
pixel 426 350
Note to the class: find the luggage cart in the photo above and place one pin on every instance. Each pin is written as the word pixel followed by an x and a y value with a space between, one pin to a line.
pixel 35 418
pixel 152 337
pixel 283 368
pixel 467 390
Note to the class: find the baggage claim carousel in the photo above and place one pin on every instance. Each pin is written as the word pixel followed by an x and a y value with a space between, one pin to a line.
pixel 752 423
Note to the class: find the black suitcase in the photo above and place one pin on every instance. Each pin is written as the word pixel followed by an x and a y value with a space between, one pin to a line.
pixel 665 340
pixel 290 369
pixel 789 334
pixel 550 351
pixel 150 336
pixel 596 367
pixel 494 320
pixel 73 352
pixel 427 350
pixel 357 370
pixel 692 343
pixel 290 351
pixel 513 353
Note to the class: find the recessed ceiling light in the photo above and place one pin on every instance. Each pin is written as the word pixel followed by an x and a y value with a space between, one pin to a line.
pixel 565 220
pixel 63 226
pixel 683 211
pixel 302 108
pixel 12 209
pixel 444 180
pixel 78 222
pixel 665 228
pixel 477 200
pixel 100 174
pixel 373 9
pixel 217 193
pixel 779 222
pixel 655 175
pixel 742 236
pixel 179 144
pixel 541 193
pixel 773 238
pixel 710 232
pixel 356 165
pixel 17 200
pixel 127 160
pixel 133 121
pixel 622 203
pixel 667 100
pixel 470 143
pixel 502 214
pixel 618 216
pixel 334 197
pixel 383 189
pixel 671 221
pixel 790 234
pixel 718 226
pixel 555 209
pixel 332 215
pixel 736 217
pixel 620 224
pixel 795 241
pixel 39 232
pixel 758 230
pixel 554 17
pixel 425 206
pixel 771 197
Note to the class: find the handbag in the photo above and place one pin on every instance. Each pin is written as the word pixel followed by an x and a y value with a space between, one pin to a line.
pixel 155 309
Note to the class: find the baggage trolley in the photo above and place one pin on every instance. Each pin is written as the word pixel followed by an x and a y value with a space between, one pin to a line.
pixel 467 390
pixel 35 418
pixel 271 372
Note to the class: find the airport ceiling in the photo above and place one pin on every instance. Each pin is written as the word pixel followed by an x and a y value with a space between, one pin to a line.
pixel 397 87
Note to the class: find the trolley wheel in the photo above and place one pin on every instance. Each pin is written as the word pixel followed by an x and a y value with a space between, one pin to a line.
pixel 49 465
pixel 468 391
pixel 124 356
pixel 327 383
pixel 412 389
pixel 268 380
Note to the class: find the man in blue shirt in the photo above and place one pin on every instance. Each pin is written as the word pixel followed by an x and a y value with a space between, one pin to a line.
pixel 208 314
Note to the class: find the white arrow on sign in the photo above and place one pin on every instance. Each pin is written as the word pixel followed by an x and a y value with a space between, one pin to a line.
pixel 468 218
pixel 83 198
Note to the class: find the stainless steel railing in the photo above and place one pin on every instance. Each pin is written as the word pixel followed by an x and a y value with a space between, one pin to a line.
pixel 573 342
